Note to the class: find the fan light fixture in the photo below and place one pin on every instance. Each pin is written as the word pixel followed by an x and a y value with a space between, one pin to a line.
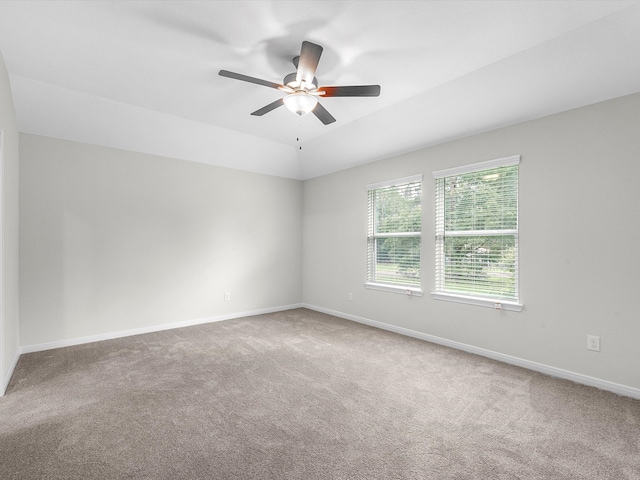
pixel 300 102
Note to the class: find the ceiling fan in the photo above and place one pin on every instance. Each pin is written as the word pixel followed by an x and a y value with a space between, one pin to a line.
pixel 301 87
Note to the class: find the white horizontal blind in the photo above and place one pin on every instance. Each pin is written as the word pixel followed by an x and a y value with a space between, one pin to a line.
pixel 477 233
pixel 395 230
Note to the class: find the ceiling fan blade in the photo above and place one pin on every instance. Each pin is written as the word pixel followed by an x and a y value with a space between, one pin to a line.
pixel 308 62
pixel 268 108
pixel 246 78
pixel 323 115
pixel 354 91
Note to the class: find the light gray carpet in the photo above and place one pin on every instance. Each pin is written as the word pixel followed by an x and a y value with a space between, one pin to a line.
pixel 303 395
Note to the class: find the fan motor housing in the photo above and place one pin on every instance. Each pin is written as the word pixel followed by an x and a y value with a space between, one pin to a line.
pixel 291 78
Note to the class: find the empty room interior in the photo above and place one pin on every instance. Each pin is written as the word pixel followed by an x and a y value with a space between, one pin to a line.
pixel 319 239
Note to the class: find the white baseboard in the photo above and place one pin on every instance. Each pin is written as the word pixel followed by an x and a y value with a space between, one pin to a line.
pixel 7 378
pixel 520 362
pixel 154 328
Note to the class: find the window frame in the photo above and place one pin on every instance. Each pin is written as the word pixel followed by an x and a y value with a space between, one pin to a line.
pixel 411 290
pixel 440 209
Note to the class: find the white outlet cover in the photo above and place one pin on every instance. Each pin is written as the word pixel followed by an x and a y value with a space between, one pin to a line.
pixel 593 343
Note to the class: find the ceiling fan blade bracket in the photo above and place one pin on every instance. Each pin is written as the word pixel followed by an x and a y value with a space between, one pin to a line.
pixel 292 80
pixel 286 89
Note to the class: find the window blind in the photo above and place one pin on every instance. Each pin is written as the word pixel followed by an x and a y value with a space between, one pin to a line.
pixel 395 230
pixel 477 230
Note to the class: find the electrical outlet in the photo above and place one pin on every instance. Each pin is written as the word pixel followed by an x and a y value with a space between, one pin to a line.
pixel 227 296
pixel 350 297
pixel 593 343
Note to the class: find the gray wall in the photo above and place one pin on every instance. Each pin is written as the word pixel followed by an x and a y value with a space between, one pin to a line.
pixel 9 299
pixel 114 240
pixel 579 236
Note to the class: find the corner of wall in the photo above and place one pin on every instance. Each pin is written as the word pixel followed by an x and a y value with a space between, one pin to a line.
pixel 9 345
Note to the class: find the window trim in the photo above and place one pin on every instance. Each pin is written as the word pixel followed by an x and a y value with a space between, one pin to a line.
pixel 496 303
pixel 475 167
pixel 479 301
pixel 385 287
pixel 388 287
pixel 395 181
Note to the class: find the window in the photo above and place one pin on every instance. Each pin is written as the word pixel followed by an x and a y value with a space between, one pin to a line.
pixel 394 236
pixel 477 233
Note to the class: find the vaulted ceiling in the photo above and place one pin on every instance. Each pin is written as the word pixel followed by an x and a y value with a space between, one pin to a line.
pixel 143 76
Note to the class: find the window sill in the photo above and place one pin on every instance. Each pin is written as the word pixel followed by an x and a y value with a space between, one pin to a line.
pixel 409 291
pixel 482 302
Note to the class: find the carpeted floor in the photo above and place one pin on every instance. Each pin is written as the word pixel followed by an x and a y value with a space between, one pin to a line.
pixel 303 395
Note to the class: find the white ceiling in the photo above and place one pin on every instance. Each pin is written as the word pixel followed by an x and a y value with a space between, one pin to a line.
pixel 143 76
